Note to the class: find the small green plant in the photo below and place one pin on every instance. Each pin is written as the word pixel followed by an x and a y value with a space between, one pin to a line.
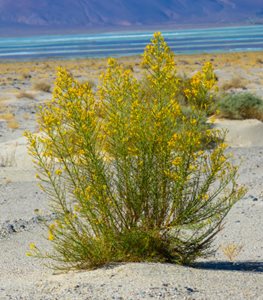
pixel 241 106
pixel 130 175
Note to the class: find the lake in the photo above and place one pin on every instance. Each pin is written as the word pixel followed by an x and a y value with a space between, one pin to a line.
pixel 183 41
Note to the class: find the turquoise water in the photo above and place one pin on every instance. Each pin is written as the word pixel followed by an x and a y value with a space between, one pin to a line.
pixel 227 39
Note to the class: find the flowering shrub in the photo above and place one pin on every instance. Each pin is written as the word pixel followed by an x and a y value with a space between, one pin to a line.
pixel 130 177
pixel 198 88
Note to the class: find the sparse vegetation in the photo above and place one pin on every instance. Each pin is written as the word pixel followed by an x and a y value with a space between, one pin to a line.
pixel 7 116
pixel 26 116
pixel 42 86
pixel 259 60
pixel 25 95
pixel 10 119
pixel 8 159
pixel 25 75
pixel 234 83
pixel 241 106
pixel 13 124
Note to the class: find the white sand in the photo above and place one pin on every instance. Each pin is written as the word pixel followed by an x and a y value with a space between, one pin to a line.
pixel 242 133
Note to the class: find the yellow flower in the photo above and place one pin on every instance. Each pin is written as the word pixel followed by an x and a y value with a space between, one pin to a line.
pixel 32 246
pixel 58 172
pixel 50 236
pixel 206 197
pixel 177 161
pixel 52 226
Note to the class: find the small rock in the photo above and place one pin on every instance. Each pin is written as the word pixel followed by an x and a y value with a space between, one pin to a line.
pixel 10 228
pixel 190 290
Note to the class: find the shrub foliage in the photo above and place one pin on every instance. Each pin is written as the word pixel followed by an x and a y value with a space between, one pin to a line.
pixel 241 106
pixel 129 174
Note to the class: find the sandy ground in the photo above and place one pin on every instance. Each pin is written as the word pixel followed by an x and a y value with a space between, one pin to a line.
pixel 22 277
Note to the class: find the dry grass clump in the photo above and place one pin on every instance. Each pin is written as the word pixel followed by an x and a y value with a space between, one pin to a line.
pixel 183 62
pixel 2 99
pixel 26 116
pixel 26 75
pixel 8 159
pixel 234 83
pixel 42 86
pixel 10 119
pixel 231 251
pixel 13 124
pixel 7 116
pixel 25 95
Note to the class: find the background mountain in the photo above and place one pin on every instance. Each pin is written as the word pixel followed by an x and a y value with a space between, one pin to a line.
pixel 55 15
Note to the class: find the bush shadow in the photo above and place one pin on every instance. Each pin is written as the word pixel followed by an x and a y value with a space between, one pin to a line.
pixel 239 266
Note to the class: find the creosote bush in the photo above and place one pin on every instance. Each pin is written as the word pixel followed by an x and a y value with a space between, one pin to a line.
pixel 129 174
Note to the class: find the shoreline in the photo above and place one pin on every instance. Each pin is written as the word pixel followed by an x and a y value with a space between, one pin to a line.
pixel 132 56
pixel 116 29
pixel 212 40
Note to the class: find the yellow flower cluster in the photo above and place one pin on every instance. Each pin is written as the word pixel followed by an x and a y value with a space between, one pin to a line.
pixel 198 91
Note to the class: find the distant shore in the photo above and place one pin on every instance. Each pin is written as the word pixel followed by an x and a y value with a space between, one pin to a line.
pixel 24 31
pixel 131 42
